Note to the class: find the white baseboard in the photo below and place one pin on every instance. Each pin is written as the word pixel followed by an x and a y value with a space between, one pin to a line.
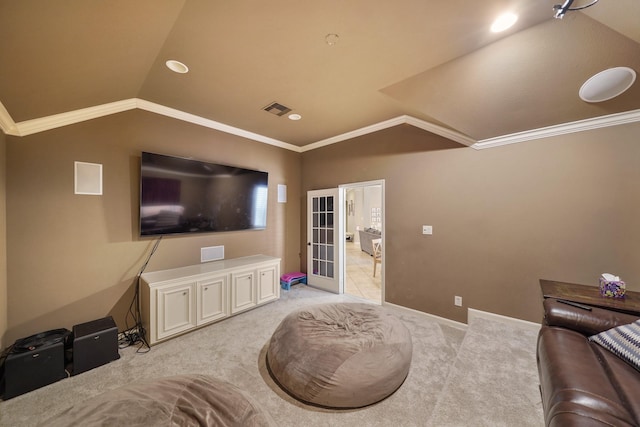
pixel 473 313
pixel 444 320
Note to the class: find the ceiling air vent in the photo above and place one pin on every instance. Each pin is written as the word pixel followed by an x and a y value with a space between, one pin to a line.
pixel 277 109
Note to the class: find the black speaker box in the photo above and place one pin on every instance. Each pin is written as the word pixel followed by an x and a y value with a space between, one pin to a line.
pixel 95 343
pixel 35 364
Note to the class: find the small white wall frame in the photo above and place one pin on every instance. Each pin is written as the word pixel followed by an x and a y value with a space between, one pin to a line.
pixel 88 178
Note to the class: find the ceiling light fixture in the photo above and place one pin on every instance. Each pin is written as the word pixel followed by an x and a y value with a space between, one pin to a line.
pixel 607 84
pixel 561 9
pixel 295 116
pixel 177 66
pixel 504 22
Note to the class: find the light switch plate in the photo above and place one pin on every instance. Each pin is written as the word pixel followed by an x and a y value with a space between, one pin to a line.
pixel 427 229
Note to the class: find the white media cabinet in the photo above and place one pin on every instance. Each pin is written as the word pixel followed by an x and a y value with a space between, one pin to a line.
pixel 181 299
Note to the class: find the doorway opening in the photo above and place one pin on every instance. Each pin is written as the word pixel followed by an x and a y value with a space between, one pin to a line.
pixel 363 255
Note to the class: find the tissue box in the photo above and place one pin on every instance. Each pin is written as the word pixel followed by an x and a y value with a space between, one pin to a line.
pixel 613 289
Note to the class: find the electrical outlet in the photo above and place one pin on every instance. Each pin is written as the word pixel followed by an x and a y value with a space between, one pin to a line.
pixel 427 229
pixel 457 301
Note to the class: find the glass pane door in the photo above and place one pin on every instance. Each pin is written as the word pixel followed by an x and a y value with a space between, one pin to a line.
pixel 323 244
pixel 323 236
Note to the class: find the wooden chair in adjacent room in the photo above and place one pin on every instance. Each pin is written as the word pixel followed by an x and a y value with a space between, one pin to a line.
pixel 377 254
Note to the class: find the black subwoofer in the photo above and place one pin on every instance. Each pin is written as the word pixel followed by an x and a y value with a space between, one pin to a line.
pixel 95 343
pixel 34 362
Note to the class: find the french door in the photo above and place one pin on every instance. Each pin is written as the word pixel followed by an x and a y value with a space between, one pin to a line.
pixel 324 240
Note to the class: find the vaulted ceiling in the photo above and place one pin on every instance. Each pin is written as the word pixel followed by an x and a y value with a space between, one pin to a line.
pixel 435 62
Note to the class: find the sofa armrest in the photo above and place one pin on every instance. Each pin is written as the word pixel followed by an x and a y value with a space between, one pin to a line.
pixel 575 386
pixel 587 322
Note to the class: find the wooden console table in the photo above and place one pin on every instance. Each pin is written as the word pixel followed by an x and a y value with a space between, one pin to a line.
pixel 590 295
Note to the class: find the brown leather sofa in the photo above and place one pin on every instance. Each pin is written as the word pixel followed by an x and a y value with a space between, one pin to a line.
pixel 581 383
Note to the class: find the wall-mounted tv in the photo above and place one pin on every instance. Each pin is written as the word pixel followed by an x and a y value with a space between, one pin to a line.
pixel 179 195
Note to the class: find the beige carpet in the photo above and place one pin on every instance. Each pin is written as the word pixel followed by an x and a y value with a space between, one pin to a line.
pixel 494 380
pixel 484 377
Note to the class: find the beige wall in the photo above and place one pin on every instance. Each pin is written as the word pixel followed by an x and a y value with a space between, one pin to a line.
pixel 3 241
pixel 563 208
pixel 73 258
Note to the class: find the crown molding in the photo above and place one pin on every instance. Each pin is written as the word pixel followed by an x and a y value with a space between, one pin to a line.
pixel 355 133
pixel 7 124
pixel 42 124
pixel 561 129
pixel 400 120
pixel 440 130
pixel 211 124
pixel 28 127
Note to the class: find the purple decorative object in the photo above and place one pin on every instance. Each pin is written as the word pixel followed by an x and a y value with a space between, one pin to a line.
pixel 612 289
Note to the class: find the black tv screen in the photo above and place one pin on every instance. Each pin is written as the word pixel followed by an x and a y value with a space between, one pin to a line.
pixel 179 195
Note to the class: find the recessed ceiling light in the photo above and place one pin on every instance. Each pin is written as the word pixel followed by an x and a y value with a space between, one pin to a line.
pixel 607 84
pixel 504 22
pixel 295 116
pixel 177 66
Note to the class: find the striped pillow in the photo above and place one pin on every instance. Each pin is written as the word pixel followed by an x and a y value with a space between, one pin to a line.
pixel 623 341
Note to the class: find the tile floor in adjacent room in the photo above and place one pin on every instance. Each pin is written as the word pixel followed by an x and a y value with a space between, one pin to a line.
pixel 359 279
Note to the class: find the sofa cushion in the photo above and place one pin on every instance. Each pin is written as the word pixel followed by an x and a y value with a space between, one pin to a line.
pixel 623 341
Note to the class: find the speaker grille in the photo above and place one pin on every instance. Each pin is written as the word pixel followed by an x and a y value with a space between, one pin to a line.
pixel 211 253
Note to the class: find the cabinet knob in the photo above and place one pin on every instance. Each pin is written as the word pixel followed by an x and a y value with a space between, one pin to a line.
pixel 206 289
pixel 184 293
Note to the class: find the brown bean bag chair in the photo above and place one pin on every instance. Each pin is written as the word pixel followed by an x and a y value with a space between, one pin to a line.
pixel 340 355
pixel 185 400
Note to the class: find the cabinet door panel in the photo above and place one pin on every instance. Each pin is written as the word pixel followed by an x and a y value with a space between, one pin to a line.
pixel 243 291
pixel 175 309
pixel 212 300
pixel 268 284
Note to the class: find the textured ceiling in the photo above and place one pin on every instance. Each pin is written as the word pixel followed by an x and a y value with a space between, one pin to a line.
pixel 432 60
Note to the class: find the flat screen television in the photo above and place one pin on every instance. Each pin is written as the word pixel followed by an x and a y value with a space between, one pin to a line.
pixel 179 195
